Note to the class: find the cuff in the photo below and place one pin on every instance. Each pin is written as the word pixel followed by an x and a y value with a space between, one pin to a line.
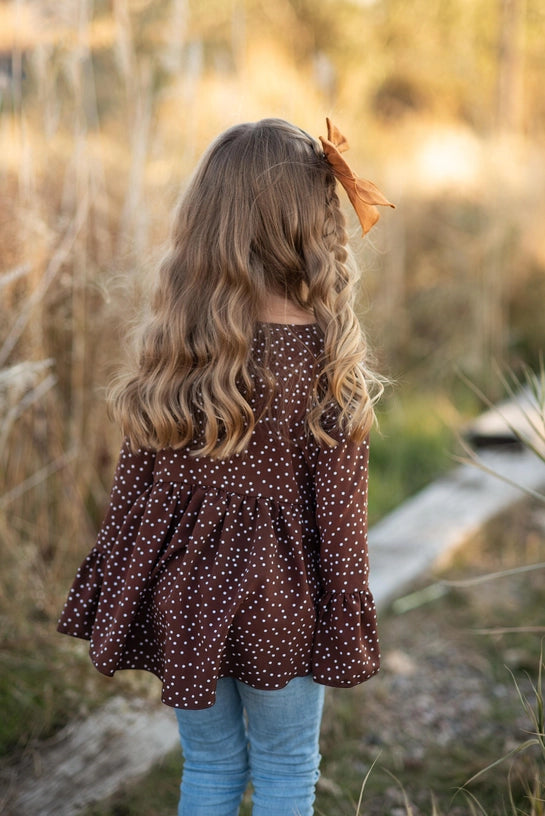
pixel 346 650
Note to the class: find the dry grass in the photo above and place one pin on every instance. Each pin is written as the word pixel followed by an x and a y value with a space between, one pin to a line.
pixel 95 137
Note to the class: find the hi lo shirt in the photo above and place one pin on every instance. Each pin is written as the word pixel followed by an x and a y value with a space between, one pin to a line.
pixel 253 567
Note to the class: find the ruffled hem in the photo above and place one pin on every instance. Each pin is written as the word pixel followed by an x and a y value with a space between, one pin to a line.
pixel 171 569
pixel 346 649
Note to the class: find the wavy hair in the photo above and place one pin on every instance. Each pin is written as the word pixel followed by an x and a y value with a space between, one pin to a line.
pixel 260 215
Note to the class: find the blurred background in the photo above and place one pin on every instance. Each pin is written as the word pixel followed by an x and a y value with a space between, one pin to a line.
pixel 106 106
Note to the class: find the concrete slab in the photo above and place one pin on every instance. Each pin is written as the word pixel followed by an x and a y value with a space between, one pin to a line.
pixel 92 759
pixel 440 518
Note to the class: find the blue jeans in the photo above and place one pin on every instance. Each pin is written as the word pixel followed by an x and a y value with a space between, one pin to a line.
pixel 275 745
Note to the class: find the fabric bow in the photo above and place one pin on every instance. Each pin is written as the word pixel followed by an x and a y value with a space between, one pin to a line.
pixel 363 194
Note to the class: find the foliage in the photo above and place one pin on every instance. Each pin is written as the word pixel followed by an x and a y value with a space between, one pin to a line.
pixel 410 449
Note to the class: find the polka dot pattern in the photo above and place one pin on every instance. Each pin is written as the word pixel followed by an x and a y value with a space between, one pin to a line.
pixel 252 567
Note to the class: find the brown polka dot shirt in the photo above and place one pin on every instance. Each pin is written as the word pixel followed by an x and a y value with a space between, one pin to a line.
pixel 252 567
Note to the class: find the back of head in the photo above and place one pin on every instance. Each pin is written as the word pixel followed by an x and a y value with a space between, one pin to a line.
pixel 260 216
pixel 256 208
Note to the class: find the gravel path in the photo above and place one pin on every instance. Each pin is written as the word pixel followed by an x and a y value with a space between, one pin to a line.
pixel 445 703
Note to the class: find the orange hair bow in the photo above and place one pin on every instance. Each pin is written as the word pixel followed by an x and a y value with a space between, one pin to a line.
pixel 363 194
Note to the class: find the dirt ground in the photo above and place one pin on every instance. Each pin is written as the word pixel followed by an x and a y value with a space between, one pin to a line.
pixel 446 703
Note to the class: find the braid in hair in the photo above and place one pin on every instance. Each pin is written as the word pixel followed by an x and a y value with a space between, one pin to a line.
pixel 346 383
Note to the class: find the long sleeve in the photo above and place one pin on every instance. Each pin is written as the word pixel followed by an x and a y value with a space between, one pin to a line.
pixel 133 477
pixel 346 647
pixel 132 481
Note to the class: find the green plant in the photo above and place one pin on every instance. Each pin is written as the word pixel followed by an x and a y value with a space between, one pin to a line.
pixel 531 435
pixel 535 712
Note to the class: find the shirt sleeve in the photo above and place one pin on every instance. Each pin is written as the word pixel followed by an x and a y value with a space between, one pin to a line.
pixel 346 649
pixel 132 481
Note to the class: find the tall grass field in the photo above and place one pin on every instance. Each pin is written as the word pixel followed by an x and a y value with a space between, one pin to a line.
pixel 105 107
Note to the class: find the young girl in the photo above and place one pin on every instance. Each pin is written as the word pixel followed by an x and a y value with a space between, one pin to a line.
pixel 232 562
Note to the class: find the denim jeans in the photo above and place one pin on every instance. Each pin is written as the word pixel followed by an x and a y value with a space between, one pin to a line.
pixel 268 737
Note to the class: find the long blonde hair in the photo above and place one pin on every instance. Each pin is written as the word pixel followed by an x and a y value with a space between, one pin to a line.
pixel 260 215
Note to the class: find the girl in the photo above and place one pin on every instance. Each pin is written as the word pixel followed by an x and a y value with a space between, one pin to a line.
pixel 232 562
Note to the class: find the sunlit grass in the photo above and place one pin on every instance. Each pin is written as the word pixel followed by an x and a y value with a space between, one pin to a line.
pixel 414 445
pixel 96 137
